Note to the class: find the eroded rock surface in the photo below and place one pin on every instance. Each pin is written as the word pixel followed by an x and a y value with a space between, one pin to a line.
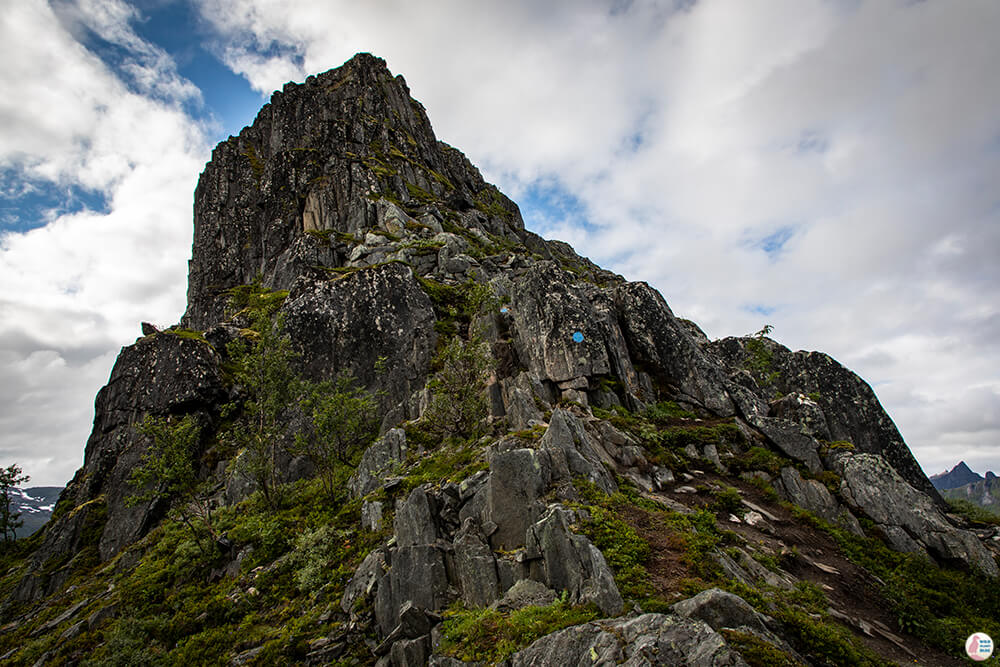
pixel 910 520
pixel 649 639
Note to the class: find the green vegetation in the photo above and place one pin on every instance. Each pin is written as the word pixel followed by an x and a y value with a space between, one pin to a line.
pixel 11 477
pixel 620 526
pixel 757 652
pixel 699 436
pixel 343 421
pixel 624 550
pixel 456 305
pixel 321 235
pixel 263 372
pixel 255 300
pixel 452 461
pixel 168 472
pixel 666 411
pixel 760 458
pixel 972 512
pixel 491 636
pixel 256 164
pixel 491 202
pixel 760 358
pixel 935 603
pixel 728 501
pixel 666 430
pixel 169 614
pixel 187 334
pixel 458 389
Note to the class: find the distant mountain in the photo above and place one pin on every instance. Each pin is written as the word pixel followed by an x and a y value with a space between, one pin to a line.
pixel 985 493
pixel 958 476
pixel 35 505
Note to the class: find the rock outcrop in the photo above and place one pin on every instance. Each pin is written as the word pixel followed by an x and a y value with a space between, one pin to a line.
pixel 380 245
pixel 650 639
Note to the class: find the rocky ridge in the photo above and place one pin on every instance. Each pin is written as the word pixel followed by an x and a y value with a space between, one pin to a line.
pixel 958 476
pixel 381 243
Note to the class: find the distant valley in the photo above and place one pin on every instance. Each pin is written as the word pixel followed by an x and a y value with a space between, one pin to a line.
pixel 35 505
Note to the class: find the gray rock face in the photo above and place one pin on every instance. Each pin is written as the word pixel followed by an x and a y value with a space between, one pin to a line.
pixel 569 562
pixel 548 309
pixel 526 593
pixel 518 479
pixel 804 411
pixel 572 451
pixel 315 160
pixel 416 575
pixel 720 609
pixel 375 318
pixel 659 341
pixel 380 459
pixel 812 495
pixel 475 566
pixel 790 439
pixel 650 639
pixel 158 375
pixel 907 516
pixel 415 522
pixel 850 408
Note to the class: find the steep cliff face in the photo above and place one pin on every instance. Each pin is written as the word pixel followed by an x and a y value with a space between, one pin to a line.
pixel 605 418
pixel 319 158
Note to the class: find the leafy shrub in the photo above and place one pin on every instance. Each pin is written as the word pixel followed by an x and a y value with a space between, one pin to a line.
pixel 128 643
pixel 666 411
pixel 624 550
pixel 458 390
pixel 492 636
pixel 729 501
pixel 760 458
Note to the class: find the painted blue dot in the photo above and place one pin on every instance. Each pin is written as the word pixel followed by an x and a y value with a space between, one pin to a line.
pixel 577 336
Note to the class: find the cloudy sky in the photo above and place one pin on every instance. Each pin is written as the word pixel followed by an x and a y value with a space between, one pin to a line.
pixel 829 167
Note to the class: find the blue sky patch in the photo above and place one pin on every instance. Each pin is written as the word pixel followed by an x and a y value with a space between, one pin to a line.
pixel 229 99
pixel 811 141
pixel 550 201
pixel 774 243
pixel 760 309
pixel 25 205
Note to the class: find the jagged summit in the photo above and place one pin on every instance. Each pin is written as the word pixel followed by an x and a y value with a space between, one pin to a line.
pixel 322 159
pixel 543 443
pixel 958 476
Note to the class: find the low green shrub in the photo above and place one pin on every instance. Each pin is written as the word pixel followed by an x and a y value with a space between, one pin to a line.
pixel 491 636
pixel 625 551
pixel 757 652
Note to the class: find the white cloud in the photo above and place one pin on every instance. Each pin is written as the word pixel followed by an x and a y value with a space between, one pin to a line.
pixel 76 288
pixel 866 131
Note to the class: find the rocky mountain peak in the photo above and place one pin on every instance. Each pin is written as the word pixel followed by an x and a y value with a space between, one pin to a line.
pixel 342 154
pixel 543 443
pixel 958 476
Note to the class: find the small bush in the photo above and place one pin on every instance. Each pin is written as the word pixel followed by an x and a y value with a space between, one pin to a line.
pixel 757 652
pixel 760 458
pixel 728 501
pixel 666 411
pixel 491 636
pixel 458 390
pixel 624 550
